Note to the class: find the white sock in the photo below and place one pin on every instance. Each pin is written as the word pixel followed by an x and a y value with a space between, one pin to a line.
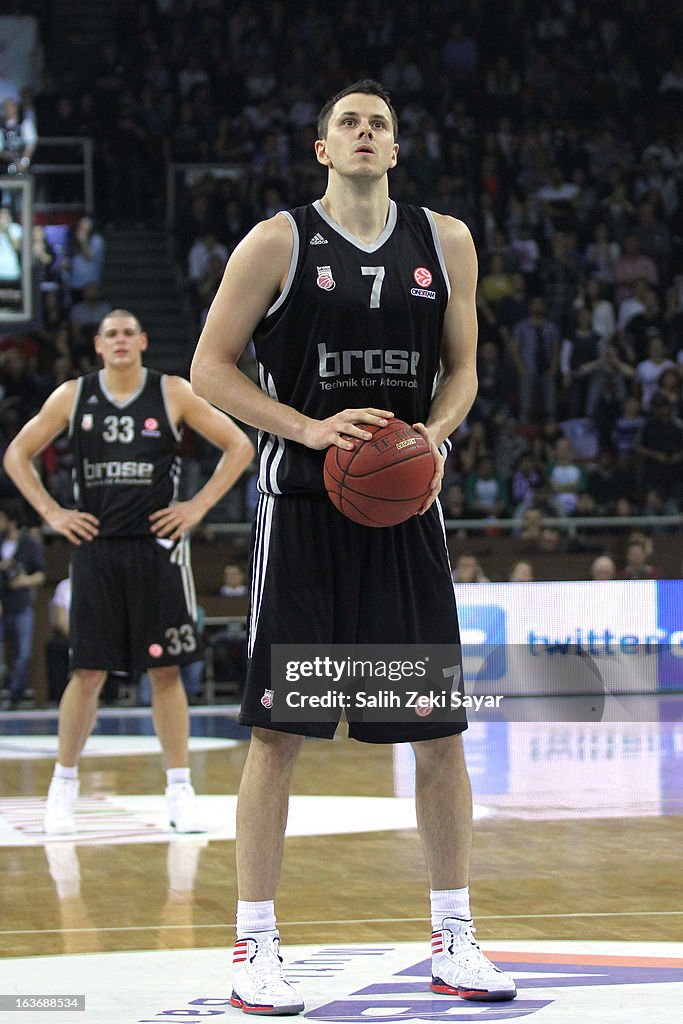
pixel 449 903
pixel 61 772
pixel 174 775
pixel 258 916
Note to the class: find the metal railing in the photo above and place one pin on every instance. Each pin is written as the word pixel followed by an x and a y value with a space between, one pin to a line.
pixel 571 524
pixel 82 166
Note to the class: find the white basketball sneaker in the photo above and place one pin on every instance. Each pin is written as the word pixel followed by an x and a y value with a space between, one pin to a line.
pixel 259 984
pixel 459 968
pixel 60 806
pixel 181 804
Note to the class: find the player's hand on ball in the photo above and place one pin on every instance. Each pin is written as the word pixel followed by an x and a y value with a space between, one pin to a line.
pixel 439 464
pixel 343 426
pixel 74 525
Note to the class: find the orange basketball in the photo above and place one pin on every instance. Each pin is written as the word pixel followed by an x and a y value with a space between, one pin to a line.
pixel 383 481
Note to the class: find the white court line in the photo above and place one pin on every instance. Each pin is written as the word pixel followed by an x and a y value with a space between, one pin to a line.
pixel 351 920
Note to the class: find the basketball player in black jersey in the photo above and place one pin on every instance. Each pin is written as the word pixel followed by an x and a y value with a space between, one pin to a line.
pixel 359 309
pixel 133 605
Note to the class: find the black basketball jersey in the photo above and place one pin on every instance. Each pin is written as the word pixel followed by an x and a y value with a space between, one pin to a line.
pixel 356 326
pixel 126 460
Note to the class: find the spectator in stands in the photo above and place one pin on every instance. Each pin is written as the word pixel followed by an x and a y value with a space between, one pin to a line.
pixel 84 259
pixel 473 446
pixel 11 235
pixel 646 324
pixel 486 493
pixel 57 647
pixel 607 389
pixel 631 267
pixel 497 283
pixel 649 371
pixel 234 581
pixel 608 480
pixel 654 236
pixel 521 572
pixel 669 384
pixel 560 277
pixel 493 391
pixel 566 478
pixel 531 527
pixel 660 447
pixel 637 566
pixel 627 428
pixel 44 260
pixel 22 571
pixel 468 570
pixel 580 355
pixel 18 138
pixel 525 483
pixel 536 351
pixel 509 447
pixel 603 568
pixel 206 246
pixel 23 390
pixel 601 254
pixel 86 314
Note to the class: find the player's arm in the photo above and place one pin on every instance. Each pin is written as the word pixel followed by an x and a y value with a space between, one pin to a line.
pixel 457 385
pixel 255 275
pixel 220 430
pixel 51 420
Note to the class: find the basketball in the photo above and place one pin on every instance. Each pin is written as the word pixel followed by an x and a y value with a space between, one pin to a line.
pixel 383 481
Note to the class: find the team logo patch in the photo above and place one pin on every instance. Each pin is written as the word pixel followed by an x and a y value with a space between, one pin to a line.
pixel 87 421
pixel 325 279
pixel 423 706
pixel 422 276
pixel 151 428
pixel 267 698
pixel 156 650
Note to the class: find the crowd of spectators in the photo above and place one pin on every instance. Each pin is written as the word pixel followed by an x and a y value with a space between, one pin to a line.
pixel 553 128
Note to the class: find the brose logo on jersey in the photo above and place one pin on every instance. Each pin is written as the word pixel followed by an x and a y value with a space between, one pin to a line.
pixel 113 471
pixel 372 360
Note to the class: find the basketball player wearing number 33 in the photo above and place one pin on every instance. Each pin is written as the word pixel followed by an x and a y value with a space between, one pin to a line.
pixel 132 605
pixel 359 309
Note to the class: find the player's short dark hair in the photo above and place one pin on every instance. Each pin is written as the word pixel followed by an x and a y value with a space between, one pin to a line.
pixel 365 85
pixel 119 312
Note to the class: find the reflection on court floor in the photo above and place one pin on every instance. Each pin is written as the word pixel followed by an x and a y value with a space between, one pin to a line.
pixel 578 838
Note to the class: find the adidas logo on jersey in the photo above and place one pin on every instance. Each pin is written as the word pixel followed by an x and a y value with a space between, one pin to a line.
pixel 92 400
pixel 318 240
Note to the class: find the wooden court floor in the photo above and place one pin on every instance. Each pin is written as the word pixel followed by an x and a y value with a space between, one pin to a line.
pixel 595 877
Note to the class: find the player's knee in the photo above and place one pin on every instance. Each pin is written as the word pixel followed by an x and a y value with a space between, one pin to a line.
pixel 164 676
pixel 90 680
pixel 279 749
pixel 444 749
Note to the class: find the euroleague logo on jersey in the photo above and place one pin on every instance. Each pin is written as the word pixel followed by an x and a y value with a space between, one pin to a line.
pixel 423 278
pixel 151 428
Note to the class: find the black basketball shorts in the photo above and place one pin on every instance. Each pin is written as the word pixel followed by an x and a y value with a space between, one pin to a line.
pixel 133 604
pixel 319 578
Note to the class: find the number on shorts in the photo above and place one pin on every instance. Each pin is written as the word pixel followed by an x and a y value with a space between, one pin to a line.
pixel 181 640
